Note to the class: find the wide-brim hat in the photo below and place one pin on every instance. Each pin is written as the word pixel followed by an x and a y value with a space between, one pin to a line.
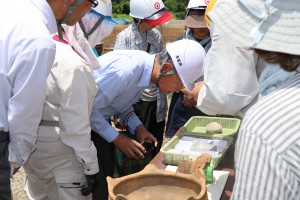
pixel 272 25
pixel 159 18
pixel 195 19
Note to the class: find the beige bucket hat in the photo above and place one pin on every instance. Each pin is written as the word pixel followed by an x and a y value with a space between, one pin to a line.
pixel 272 25
pixel 195 19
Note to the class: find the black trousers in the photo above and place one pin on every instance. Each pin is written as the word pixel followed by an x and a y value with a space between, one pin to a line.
pixel 105 154
pixel 5 191
pixel 146 111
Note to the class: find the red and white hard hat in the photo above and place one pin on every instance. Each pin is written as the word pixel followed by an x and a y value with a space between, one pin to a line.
pixel 153 12
pixel 187 56
pixel 197 4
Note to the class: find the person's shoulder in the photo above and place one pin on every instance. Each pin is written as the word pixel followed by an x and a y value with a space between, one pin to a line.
pixel 126 30
pixel 154 31
pixel 276 111
pixel 180 37
pixel 122 56
pixel 67 57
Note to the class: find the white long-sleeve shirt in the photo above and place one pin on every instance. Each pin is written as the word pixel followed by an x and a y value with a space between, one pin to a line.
pixel 231 74
pixel 26 56
pixel 70 95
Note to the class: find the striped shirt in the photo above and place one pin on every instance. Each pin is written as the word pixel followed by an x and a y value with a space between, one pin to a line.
pixel 267 155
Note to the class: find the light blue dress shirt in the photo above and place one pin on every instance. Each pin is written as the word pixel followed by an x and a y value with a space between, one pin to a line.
pixel 124 74
pixel 130 38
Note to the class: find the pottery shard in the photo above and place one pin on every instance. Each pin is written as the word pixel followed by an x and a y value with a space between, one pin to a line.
pixel 192 166
pixel 213 128
pixel 184 166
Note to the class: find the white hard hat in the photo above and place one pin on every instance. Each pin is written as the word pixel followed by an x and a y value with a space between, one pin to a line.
pixel 187 56
pixel 197 4
pixel 104 10
pixel 153 12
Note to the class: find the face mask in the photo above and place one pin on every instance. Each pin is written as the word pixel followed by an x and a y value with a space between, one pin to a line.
pixel 272 77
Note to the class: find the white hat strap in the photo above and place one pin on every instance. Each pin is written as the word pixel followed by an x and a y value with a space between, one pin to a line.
pixel 257 34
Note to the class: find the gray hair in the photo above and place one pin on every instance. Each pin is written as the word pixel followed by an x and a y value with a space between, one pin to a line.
pixel 163 57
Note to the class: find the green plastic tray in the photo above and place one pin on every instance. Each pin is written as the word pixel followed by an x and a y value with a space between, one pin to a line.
pixel 173 158
pixel 197 124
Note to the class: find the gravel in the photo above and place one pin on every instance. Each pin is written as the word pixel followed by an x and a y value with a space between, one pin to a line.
pixel 17 185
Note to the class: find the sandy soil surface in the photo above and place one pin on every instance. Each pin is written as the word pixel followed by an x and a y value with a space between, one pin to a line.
pixel 17 185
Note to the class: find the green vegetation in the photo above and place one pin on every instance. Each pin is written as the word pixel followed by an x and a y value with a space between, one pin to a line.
pixel 121 16
pixel 177 7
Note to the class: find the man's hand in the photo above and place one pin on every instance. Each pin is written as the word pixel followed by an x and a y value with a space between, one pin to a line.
pixel 188 99
pixel 144 136
pixel 130 147
pixel 89 184
pixel 196 90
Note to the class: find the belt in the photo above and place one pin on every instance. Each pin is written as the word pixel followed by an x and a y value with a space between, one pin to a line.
pixel 49 123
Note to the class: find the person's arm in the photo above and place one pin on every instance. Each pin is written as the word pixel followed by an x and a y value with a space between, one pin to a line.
pixel 28 75
pixel 130 120
pixel 230 77
pixel 109 89
pixel 78 90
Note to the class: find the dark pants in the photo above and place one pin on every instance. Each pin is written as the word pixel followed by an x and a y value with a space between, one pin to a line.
pixel 146 111
pixel 105 154
pixel 179 114
pixel 5 191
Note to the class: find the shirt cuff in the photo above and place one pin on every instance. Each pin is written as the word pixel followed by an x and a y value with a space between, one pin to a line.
pixel 132 123
pixel 109 134
pixel 15 157
pixel 90 164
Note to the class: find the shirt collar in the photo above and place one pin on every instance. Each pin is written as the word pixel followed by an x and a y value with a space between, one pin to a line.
pixel 148 68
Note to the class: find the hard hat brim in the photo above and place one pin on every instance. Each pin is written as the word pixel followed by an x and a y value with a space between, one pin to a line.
pixel 165 17
pixel 195 21
pixel 104 17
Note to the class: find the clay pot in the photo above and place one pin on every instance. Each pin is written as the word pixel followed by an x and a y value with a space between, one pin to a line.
pixel 157 184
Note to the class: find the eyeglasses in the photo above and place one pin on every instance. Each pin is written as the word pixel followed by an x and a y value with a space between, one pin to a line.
pixel 165 73
pixel 94 3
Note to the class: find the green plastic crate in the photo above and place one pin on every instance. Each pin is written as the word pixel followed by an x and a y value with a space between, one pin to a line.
pixel 197 124
pixel 173 158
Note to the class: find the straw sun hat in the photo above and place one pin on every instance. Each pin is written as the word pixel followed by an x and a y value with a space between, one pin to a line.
pixel 272 25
